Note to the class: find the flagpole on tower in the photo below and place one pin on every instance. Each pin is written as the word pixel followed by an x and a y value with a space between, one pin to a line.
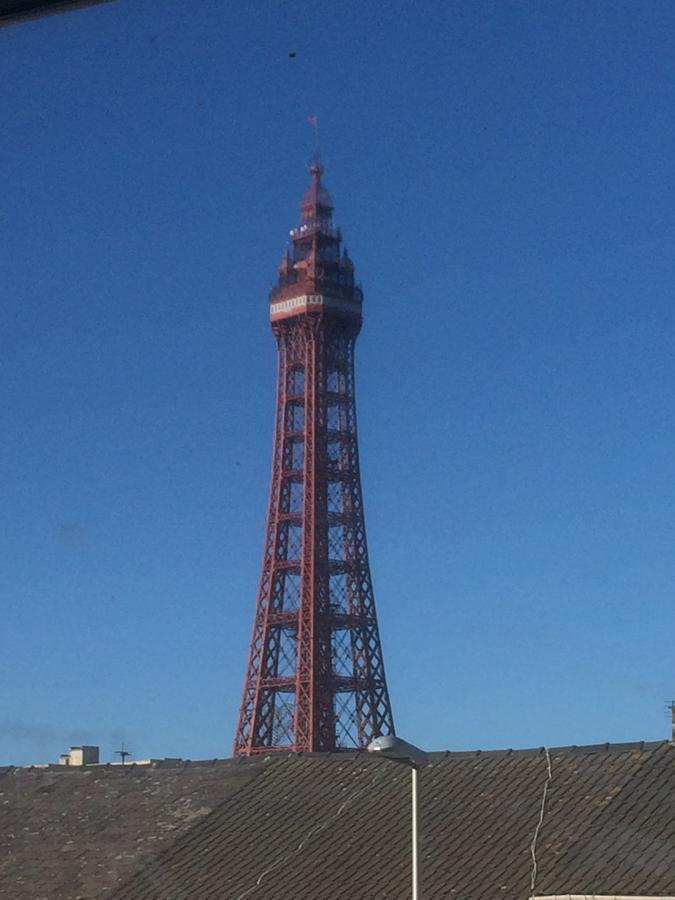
pixel 314 122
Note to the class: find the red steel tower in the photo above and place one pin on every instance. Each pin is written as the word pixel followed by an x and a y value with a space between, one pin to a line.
pixel 315 676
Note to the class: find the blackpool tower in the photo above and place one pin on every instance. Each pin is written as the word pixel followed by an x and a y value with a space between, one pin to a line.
pixel 315 674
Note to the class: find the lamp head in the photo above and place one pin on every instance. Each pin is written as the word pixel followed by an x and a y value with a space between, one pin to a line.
pixel 396 748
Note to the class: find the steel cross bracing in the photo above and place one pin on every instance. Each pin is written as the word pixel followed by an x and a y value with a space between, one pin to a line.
pixel 315 677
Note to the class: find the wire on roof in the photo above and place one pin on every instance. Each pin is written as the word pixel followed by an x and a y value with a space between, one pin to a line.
pixel 542 810
pixel 312 831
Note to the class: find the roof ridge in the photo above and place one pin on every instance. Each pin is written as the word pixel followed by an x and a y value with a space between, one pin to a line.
pixel 607 747
pixel 335 756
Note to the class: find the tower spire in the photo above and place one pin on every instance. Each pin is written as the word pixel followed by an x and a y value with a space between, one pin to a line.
pixel 315 677
pixel 314 122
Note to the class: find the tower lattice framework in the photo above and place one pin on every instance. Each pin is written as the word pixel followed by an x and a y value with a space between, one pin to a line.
pixel 315 677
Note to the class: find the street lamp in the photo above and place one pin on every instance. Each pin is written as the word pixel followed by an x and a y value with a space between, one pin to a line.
pixel 397 749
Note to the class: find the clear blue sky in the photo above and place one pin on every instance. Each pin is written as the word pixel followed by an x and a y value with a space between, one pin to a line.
pixel 504 175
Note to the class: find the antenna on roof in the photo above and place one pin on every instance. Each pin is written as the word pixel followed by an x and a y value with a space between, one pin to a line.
pixel 671 707
pixel 122 753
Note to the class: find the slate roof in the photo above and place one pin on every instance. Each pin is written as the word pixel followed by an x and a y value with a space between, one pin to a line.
pixel 313 827
pixel 69 833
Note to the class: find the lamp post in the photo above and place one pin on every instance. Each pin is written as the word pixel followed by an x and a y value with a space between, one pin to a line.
pixel 397 749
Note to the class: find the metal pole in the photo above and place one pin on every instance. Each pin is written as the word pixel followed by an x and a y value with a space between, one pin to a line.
pixel 415 838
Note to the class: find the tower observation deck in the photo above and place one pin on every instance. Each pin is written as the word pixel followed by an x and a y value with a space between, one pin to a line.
pixel 315 676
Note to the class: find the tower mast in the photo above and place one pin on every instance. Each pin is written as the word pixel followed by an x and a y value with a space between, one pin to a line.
pixel 315 677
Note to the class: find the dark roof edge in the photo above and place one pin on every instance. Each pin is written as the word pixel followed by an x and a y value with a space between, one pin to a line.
pixel 624 747
pixel 135 767
pixel 337 756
